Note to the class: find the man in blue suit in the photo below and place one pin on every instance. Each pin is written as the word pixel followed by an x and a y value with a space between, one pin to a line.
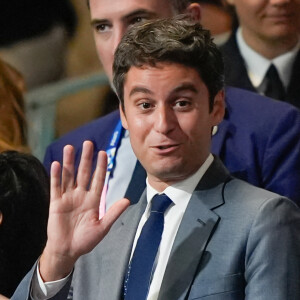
pixel 258 140
pixel 196 232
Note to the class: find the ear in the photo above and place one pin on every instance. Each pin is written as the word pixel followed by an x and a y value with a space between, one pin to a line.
pixel 123 117
pixel 218 111
pixel 194 10
pixel 1 217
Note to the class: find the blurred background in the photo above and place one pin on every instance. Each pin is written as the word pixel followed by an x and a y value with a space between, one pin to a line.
pixel 50 42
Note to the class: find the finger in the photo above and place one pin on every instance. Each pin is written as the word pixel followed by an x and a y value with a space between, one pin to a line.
pixel 99 174
pixel 55 191
pixel 112 215
pixel 68 168
pixel 85 165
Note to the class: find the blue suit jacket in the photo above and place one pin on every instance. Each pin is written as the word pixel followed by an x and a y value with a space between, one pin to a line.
pixel 258 141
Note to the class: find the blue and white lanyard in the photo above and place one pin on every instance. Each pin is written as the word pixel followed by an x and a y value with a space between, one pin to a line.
pixel 111 159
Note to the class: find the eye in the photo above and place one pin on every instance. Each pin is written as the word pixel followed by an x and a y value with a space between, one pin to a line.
pixel 136 20
pixel 102 27
pixel 182 103
pixel 145 105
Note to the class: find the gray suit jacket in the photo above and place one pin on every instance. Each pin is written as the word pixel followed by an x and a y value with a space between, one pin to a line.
pixel 235 241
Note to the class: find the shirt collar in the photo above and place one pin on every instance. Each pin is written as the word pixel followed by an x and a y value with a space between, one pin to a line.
pixel 182 191
pixel 257 65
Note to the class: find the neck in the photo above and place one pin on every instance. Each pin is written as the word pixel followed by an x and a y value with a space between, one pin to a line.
pixel 160 183
pixel 271 48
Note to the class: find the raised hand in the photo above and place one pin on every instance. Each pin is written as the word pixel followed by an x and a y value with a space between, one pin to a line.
pixel 74 227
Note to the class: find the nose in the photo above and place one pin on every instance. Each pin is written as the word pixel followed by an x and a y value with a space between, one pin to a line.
pixel 117 36
pixel 165 120
pixel 115 39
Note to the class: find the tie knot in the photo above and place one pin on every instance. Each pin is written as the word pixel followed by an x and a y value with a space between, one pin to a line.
pixel 272 73
pixel 160 203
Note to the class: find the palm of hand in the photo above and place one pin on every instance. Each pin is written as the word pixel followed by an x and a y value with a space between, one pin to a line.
pixel 76 215
pixel 74 227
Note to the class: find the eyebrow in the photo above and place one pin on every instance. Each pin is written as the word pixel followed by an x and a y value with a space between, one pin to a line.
pixel 185 87
pixel 132 14
pixel 139 89
pixel 139 12
pixel 180 88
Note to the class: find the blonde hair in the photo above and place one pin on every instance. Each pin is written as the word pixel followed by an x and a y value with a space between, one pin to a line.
pixel 13 127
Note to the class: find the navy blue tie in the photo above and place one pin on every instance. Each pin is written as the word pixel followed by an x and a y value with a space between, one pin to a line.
pixel 140 269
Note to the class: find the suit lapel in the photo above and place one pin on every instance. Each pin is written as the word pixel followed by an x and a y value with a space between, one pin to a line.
pixel 235 69
pixel 199 221
pixel 293 90
pixel 137 184
pixel 117 249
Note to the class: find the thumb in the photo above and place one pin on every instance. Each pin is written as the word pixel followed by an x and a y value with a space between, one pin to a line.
pixel 113 214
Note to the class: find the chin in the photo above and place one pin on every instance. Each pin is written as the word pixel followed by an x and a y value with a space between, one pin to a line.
pixel 169 174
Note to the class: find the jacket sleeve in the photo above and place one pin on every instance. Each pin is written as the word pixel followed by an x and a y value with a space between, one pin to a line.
pixel 272 263
pixel 23 290
pixel 281 160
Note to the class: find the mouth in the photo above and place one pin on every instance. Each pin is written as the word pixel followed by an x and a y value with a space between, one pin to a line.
pixel 165 149
pixel 285 16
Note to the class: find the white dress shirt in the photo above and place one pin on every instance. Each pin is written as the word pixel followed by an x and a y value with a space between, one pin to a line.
pixel 180 193
pixel 257 65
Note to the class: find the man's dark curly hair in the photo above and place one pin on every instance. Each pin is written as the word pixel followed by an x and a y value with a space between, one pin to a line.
pixel 176 40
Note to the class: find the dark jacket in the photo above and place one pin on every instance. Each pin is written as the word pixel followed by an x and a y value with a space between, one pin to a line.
pixel 236 72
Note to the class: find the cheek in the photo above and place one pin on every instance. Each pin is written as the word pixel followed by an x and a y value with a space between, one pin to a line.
pixel 139 138
pixel 247 9
pixel 193 123
pixel 198 130
pixel 134 120
pixel 105 56
pixel 138 127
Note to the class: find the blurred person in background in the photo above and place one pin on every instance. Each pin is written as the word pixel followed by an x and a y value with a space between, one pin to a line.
pixel 13 128
pixel 34 36
pixel 24 204
pixel 217 19
pixel 263 55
